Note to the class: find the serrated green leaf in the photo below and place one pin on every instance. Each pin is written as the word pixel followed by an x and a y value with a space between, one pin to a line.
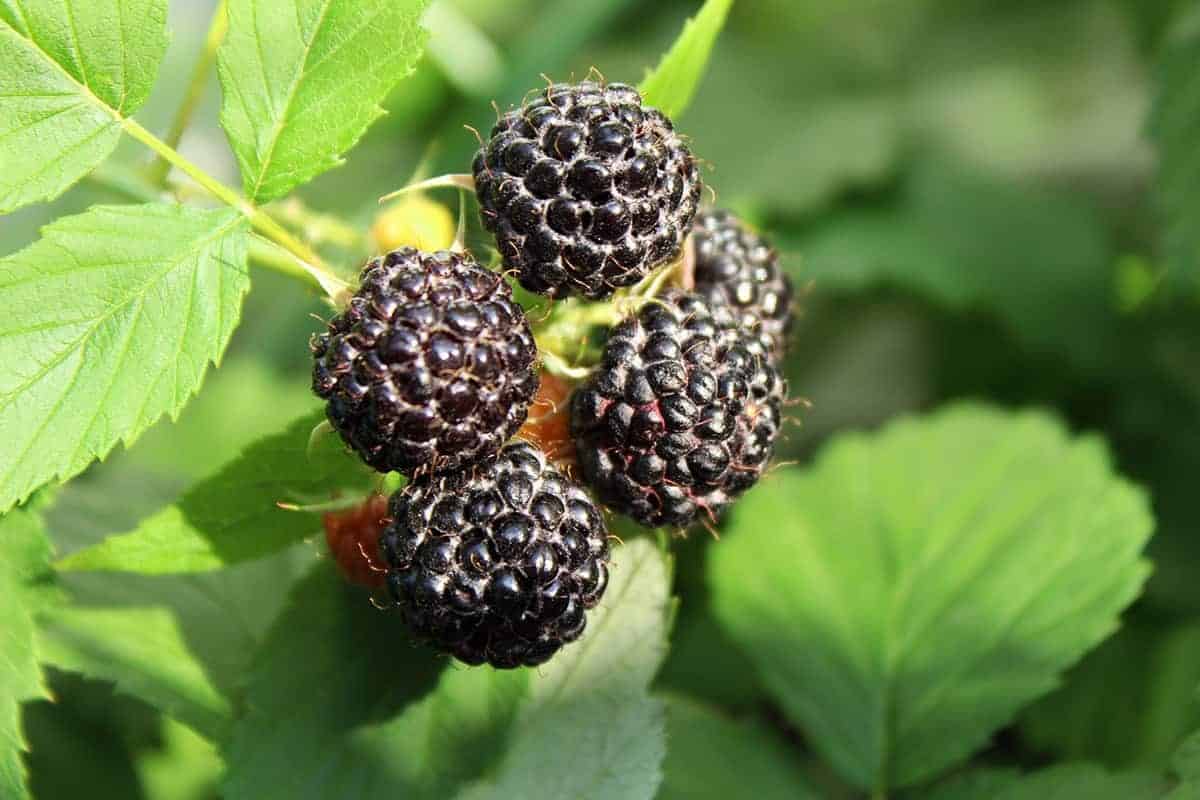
pixel 24 554
pixel 908 593
pixel 232 516
pixel 673 83
pixel 356 669
pixel 711 756
pixel 111 320
pixel 72 71
pixel 1063 782
pixel 303 79
pixel 142 651
pixel 222 615
pixel 1175 128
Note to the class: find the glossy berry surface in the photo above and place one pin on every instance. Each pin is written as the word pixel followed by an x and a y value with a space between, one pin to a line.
pixel 497 563
pixel 681 416
pixel 431 366
pixel 353 539
pixel 737 266
pixel 586 189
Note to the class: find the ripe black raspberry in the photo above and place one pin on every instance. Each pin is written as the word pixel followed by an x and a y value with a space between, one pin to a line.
pixel 497 562
pixel 737 266
pixel 586 189
pixel 681 416
pixel 430 367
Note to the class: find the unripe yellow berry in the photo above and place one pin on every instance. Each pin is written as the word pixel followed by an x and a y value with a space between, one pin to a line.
pixel 415 221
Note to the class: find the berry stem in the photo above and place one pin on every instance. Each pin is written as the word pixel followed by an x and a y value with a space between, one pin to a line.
pixel 161 166
pixel 312 264
pixel 457 181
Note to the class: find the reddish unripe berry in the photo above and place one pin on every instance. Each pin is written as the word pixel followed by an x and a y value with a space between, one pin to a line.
pixel 353 539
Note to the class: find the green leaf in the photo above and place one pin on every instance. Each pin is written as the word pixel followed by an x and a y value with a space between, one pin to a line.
pixel 1064 782
pixel 672 84
pixel 909 592
pixel 711 756
pixel 347 740
pixel 73 69
pixel 1175 128
pixel 24 555
pixel 186 767
pixel 222 616
pixel 232 516
pixel 465 720
pixel 1156 664
pixel 142 651
pixel 111 321
pixel 303 79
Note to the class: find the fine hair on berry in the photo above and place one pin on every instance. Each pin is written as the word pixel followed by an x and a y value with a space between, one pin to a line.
pixel 586 189
pixel 497 563
pixel 682 414
pixel 735 265
pixel 430 367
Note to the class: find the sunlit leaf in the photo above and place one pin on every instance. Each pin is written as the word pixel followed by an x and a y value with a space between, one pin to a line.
pixel 672 84
pixel 234 516
pixel 72 71
pixel 303 79
pixel 110 322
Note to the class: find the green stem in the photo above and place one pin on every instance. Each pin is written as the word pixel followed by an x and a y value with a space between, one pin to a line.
pixel 267 254
pixel 195 92
pixel 259 219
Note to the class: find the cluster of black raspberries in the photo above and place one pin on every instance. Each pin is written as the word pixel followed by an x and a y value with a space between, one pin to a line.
pixel 491 552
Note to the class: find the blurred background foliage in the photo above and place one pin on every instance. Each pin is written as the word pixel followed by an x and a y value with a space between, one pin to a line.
pixel 964 187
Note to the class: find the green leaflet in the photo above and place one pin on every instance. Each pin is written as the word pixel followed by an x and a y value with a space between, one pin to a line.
pixel 142 651
pixel 233 515
pixel 905 595
pixel 111 321
pixel 303 79
pixel 67 87
pixel 672 84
